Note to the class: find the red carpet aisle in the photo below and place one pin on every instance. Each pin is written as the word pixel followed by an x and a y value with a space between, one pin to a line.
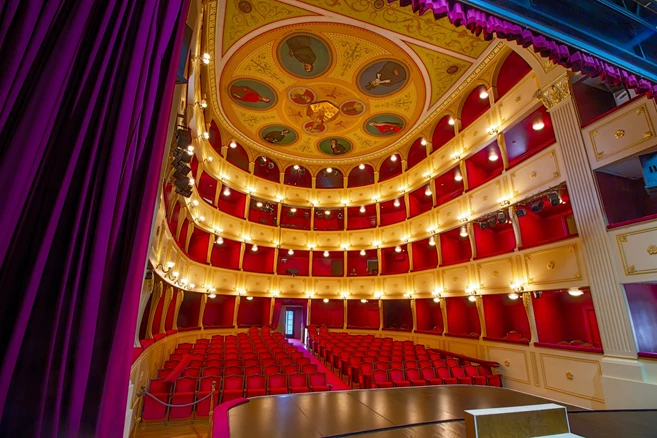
pixel 331 379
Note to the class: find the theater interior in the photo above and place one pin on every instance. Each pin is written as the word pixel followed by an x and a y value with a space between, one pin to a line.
pixel 366 217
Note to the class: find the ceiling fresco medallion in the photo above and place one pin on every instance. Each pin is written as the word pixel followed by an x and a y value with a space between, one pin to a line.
pixel 252 94
pixel 304 55
pixel 279 135
pixel 354 88
pixel 382 78
pixel 384 125
pixel 335 146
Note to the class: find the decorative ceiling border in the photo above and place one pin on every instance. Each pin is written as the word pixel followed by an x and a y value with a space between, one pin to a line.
pixel 444 102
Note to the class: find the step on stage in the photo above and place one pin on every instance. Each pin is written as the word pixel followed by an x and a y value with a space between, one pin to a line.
pixel 421 412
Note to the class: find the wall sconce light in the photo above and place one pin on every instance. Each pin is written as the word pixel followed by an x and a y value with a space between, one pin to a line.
pixel 504 202
pixel 472 292
pixel 451 121
pixel 575 292
pixel 538 125
pixel 232 144
pixel 293 210
pixel 254 248
pixel 464 231
pixel 362 209
pixel 326 253
pixel 226 191
pixel 249 298
pixel 393 157
pixel 492 156
pixel 423 141
pixel 206 135
pixel 209 160
pixel 201 218
pixel 456 156
pixel 361 166
pixel 483 94
pixel 290 252
pixel 398 248
pixel 202 103
pixel 396 203
pixel 378 295
pixel 219 240
pixel 206 58
pixel 329 170
pixel 326 300
pixel 242 292
pixel 458 176
pixel 363 301
pixel 427 190
pixel 493 130
pixel 432 241
pixel 362 252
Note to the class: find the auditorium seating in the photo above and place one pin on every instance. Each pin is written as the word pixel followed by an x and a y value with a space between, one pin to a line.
pixel 244 365
pixel 371 362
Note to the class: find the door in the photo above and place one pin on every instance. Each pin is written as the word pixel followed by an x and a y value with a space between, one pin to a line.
pixel 289 323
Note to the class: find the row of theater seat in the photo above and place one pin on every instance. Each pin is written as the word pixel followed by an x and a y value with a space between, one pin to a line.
pixel 355 356
pixel 246 365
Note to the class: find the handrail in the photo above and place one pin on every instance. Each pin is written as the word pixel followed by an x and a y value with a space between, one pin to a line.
pixel 488 363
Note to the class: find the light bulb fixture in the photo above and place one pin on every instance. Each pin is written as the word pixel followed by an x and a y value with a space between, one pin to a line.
pixel 396 203
pixel 326 253
pixel 362 252
pixel 436 300
pixel 393 157
pixel 249 298
pixel 517 288
pixel 202 103
pixel 363 301
pixel 170 265
pixel 192 285
pixel 293 210
pixel 295 167
pixel 361 166
pixel 194 203
pixel 201 218
pixel 209 159
pixel 192 181
pixel 362 209
pixel 575 292
pixel 176 274
pixel 483 94
pixel 258 204
pixel 472 298
pixel 326 300
pixel 183 281
pixel 538 125
pixel 458 176
pixel 232 144
pixel 190 148
pixel 492 156
pixel 464 231
pixel 327 212
pixel 205 58
pixel 427 191
pixel 451 121
pixel 254 248
pixel 212 295
pixel 423 142
pixel 220 240
pixel 290 252
pixel 513 296
pixel 432 241
pixel 206 135
pixel 226 191
pixel 329 169
pixel 398 248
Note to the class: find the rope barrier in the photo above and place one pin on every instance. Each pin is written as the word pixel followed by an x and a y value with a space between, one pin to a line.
pixel 172 405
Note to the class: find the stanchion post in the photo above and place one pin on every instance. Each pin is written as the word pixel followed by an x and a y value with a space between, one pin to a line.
pixel 214 388
pixel 139 411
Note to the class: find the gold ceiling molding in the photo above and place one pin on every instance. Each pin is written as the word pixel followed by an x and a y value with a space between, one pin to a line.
pixel 400 144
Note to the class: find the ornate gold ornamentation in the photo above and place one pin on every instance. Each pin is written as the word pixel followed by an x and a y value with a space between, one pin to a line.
pixel 532 175
pixel 593 133
pixel 652 250
pixel 550 266
pixel 640 110
pixel 630 269
pixel 485 198
pixel 622 238
pixel 495 274
pixel 570 376
pixel 647 134
pixel 507 363
pixel 455 279
pixel 620 133
pixel 599 155
pixel 555 93
pixel 518 99
pixel 577 276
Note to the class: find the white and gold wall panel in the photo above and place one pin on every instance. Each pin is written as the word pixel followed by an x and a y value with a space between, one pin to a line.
pixel 396 286
pixel 424 283
pixel 535 174
pixel 625 132
pixel 328 240
pixel 518 99
pixel 514 362
pixel 478 133
pixel 487 197
pixel 456 278
pixel 362 239
pixel 556 266
pixel 495 274
pixel 294 238
pixel 573 376
pixel 330 288
pixel 635 250
pixel 258 283
pixel 293 286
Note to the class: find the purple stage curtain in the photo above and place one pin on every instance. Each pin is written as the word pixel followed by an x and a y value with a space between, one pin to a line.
pixel 280 302
pixel 480 23
pixel 86 88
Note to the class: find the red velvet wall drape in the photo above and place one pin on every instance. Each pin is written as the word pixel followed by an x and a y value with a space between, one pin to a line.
pixel 86 90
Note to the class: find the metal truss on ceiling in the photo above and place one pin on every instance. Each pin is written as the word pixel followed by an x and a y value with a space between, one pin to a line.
pixel 623 32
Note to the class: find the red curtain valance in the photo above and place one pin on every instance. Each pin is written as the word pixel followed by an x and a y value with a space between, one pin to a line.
pixel 479 22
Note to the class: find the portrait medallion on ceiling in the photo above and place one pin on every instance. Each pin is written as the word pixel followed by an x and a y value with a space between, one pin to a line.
pixel 322 90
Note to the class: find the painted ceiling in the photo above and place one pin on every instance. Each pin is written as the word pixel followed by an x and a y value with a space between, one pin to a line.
pixel 332 79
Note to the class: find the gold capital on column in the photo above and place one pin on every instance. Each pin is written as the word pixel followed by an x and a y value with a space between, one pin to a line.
pixel 556 92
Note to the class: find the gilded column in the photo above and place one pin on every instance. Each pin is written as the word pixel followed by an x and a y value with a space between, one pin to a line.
pixel 344 323
pixel 529 309
pixel 414 313
pixel 443 311
pixel 146 291
pixel 607 293
pixel 409 251
pixel 201 312
pixel 236 311
pixel 380 315
pixel 179 299
pixel 480 312
pixel 241 260
pixel 157 294
pixel 168 296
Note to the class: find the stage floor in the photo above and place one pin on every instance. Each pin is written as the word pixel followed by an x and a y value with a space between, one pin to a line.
pixel 388 413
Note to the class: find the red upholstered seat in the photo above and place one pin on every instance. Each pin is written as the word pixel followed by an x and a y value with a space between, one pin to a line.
pixel 152 409
pixel 185 346
pixel 164 372
pixel 255 385
pixel 397 365
pixel 232 371
pixel 176 356
pixel 459 373
pixel 211 371
pixel 285 362
pixel 298 383
pixel 250 362
pixel 272 369
pixel 473 372
pixel 309 368
pixel 192 372
pixel 212 363
pixel 413 375
pixel 195 363
pixel 233 387
pixel 277 384
pixel 365 374
pixel 290 369
pixel 251 370
pixel 451 362
pixel 491 379
pixel 382 365
pixel 447 378
pixel 380 379
pixel 398 378
pixel 302 361
pixel 171 363
pixel 429 374
pixel 233 363
pixel 267 362
pixel 317 382
pixel 436 363
pixel 184 392
pixel 204 388
pixel 410 364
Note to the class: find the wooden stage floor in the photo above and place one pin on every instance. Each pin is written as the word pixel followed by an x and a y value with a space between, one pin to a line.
pixel 407 413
